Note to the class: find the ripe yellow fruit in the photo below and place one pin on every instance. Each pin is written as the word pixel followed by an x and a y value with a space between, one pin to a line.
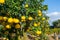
pixel 30 18
pixel 23 17
pixel 38 23
pixel 38 32
pixel 8 26
pixel 10 20
pixel 1 18
pixel 23 20
pixel 4 18
pixel 43 18
pixel 2 1
pixel 39 12
pixel 17 26
pixel 16 20
pixel 35 24
pixel 26 5
pixel 28 29
pixel 5 39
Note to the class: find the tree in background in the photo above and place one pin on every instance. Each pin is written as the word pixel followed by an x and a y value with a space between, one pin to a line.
pixel 56 23
pixel 23 16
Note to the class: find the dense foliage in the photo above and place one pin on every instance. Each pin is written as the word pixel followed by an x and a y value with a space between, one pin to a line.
pixel 23 16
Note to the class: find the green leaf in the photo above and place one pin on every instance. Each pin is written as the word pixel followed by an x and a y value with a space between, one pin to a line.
pixel 1 27
pixel 41 0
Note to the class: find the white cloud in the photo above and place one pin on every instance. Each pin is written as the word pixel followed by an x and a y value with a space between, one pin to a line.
pixel 53 16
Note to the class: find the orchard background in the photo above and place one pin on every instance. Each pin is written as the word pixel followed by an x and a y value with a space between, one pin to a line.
pixel 20 18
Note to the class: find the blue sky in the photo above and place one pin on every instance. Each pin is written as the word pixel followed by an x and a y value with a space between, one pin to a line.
pixel 53 9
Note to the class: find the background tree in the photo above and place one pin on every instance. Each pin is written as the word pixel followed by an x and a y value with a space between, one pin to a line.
pixel 56 23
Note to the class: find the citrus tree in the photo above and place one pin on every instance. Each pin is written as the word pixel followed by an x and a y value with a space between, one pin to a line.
pixel 23 16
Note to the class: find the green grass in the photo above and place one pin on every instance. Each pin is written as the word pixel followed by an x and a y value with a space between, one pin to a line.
pixel 57 30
